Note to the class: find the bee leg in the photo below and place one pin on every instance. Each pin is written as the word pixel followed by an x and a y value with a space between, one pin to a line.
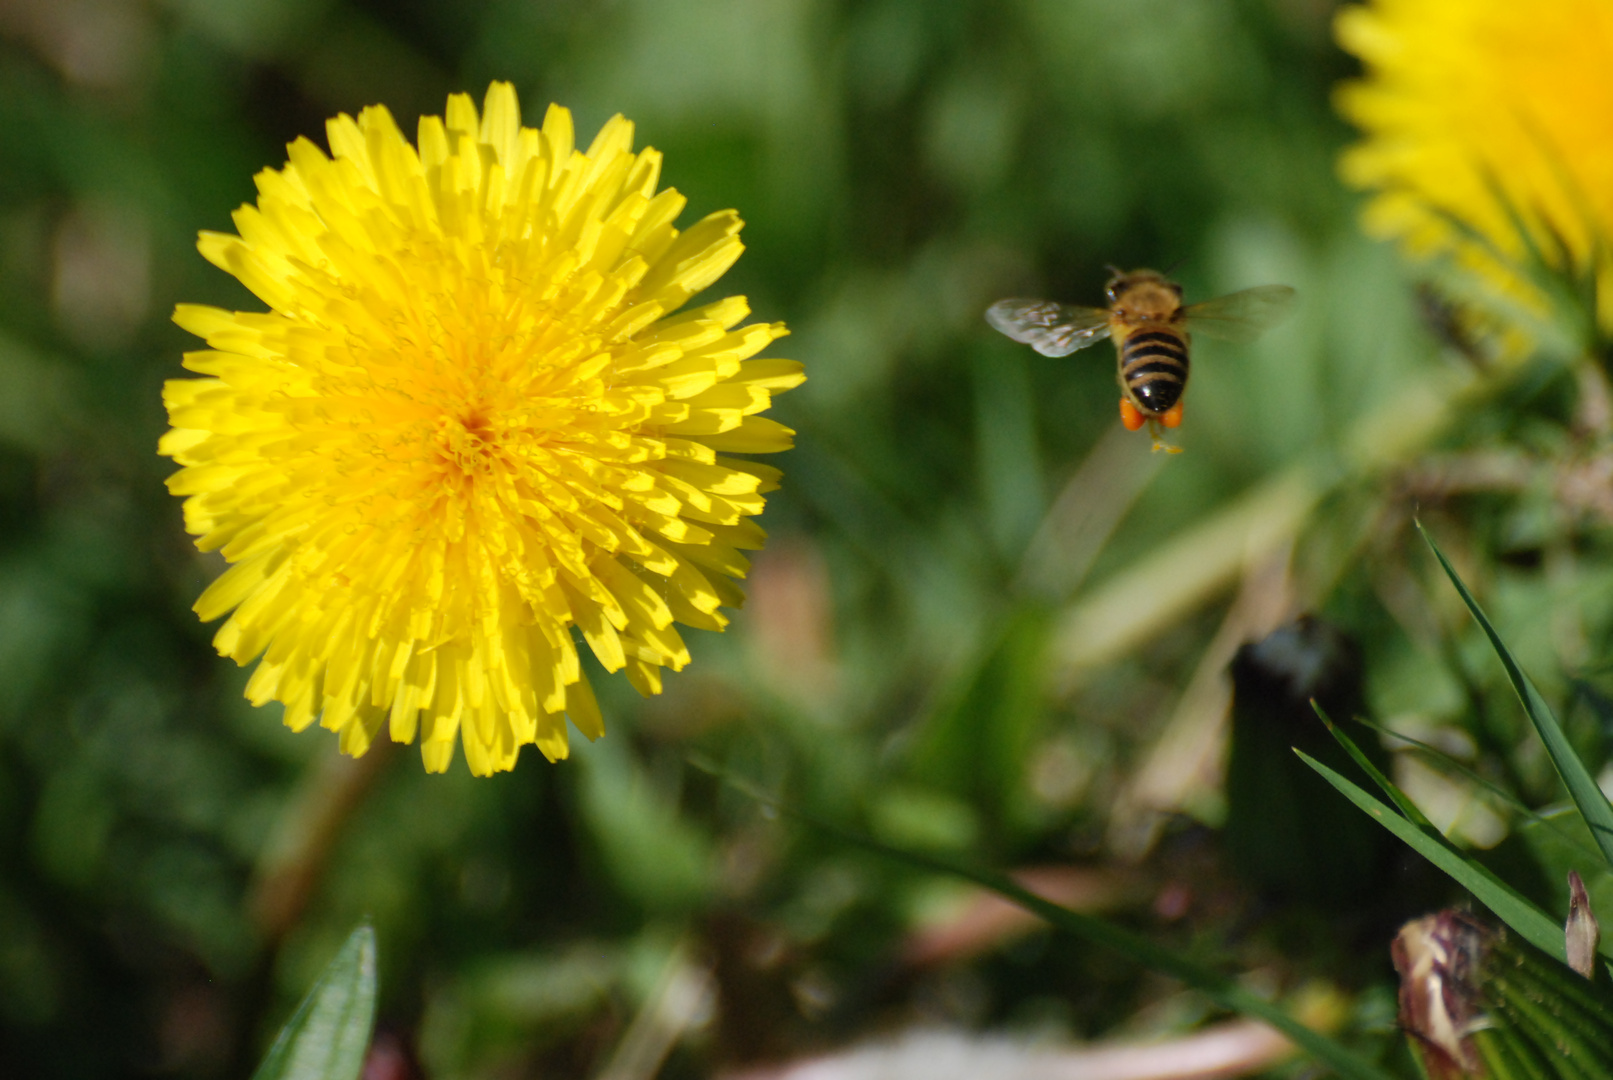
pixel 1173 416
pixel 1130 415
pixel 1159 442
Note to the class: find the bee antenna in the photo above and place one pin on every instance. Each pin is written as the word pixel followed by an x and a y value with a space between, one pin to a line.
pixel 1175 266
pixel 1114 271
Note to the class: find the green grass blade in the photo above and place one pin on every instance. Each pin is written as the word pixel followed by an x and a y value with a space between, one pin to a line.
pixel 1532 924
pixel 1386 785
pixel 328 1035
pixel 1592 804
pixel 1221 989
pixel 1449 764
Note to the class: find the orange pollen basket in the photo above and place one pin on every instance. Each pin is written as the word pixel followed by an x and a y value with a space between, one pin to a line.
pixel 1132 417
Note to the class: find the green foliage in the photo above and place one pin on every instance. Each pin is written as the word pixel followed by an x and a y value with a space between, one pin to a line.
pixel 1593 806
pixel 654 855
pixel 977 743
pixel 1541 1019
pixel 327 1036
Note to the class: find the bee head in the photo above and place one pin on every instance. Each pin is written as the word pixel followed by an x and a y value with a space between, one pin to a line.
pixel 1116 277
pixel 1122 281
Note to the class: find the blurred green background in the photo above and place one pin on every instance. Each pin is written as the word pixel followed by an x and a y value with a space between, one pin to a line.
pixel 988 623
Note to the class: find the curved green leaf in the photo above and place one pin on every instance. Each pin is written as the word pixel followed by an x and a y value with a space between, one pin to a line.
pixel 326 1038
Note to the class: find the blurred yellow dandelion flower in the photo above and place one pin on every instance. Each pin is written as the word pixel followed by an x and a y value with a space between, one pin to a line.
pixel 469 422
pixel 1494 114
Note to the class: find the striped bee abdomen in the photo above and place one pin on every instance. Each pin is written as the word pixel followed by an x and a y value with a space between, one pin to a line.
pixel 1153 365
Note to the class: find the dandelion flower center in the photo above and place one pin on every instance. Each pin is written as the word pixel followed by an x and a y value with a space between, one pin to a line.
pixel 470 429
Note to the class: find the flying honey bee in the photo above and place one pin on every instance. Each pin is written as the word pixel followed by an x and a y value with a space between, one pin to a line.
pixel 1150 328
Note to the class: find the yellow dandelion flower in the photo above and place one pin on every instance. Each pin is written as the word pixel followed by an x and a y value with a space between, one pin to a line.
pixel 1496 115
pixel 469 422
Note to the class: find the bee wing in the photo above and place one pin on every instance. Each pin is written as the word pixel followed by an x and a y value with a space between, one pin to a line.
pixel 1051 329
pixel 1241 316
